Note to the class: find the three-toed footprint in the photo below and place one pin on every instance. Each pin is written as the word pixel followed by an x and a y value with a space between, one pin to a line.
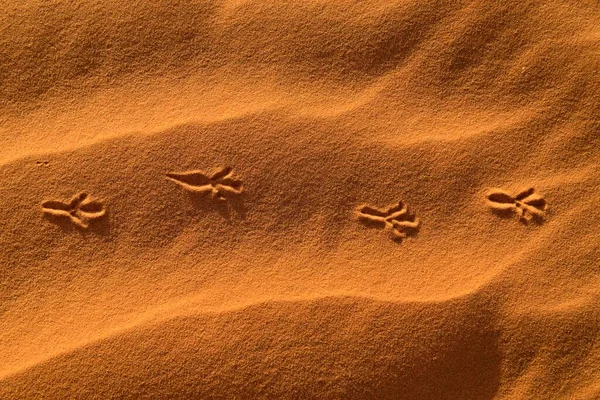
pixel 527 204
pixel 396 218
pixel 219 185
pixel 81 210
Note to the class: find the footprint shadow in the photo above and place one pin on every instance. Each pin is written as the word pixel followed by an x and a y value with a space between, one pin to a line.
pixel 510 214
pixel 381 225
pixel 228 208
pixel 100 227
pixel 504 214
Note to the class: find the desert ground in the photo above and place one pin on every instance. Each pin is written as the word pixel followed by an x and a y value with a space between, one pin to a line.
pixel 244 199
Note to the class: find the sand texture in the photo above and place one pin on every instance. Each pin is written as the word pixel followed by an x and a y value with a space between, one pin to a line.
pixel 260 199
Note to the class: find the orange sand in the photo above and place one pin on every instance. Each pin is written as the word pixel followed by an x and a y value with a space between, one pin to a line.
pixel 287 276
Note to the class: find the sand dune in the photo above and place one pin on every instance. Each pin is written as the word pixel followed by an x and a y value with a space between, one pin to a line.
pixel 345 326
pixel 244 199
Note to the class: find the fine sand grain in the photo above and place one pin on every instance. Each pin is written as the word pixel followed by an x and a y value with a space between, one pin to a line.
pixel 300 199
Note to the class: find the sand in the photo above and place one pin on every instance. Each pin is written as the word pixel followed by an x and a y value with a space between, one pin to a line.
pixel 300 200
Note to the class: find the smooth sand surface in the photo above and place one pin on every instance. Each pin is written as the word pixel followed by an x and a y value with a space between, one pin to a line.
pixel 300 199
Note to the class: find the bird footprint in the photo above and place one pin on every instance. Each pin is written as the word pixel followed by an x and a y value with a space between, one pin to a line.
pixel 81 210
pixel 220 184
pixel 527 204
pixel 396 218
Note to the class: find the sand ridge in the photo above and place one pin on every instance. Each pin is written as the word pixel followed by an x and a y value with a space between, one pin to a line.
pixel 195 198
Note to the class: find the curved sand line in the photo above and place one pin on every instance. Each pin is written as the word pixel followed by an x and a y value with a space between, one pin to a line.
pixel 343 312
pixel 188 308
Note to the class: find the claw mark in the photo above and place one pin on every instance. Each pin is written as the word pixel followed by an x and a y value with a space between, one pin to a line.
pixel 219 185
pixel 527 204
pixel 396 218
pixel 81 210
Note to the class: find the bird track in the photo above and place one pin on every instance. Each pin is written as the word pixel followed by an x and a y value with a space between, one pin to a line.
pixel 527 204
pixel 396 219
pixel 81 210
pixel 219 185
